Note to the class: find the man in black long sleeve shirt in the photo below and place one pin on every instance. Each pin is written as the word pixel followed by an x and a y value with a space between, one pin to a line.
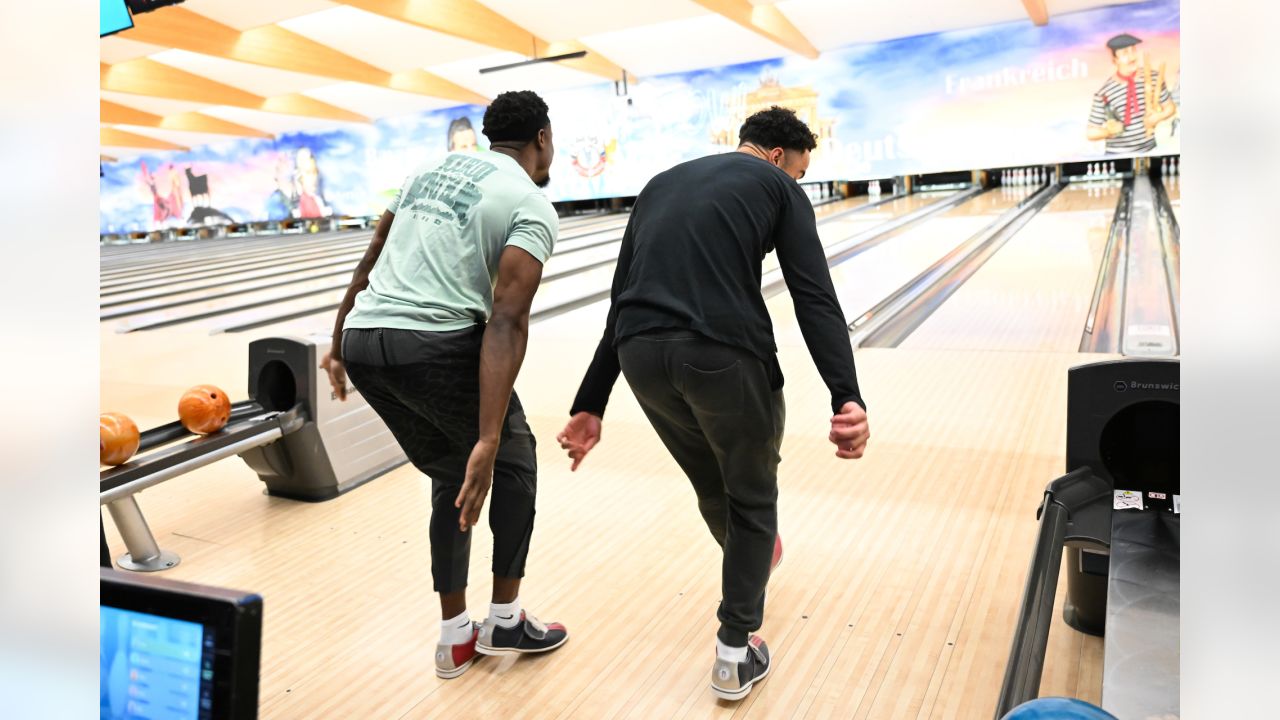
pixel 689 329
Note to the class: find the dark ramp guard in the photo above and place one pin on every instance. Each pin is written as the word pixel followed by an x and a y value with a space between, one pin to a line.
pixel 1116 512
pixel 343 445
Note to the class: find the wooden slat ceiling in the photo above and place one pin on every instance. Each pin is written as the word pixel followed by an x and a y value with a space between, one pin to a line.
pixel 206 52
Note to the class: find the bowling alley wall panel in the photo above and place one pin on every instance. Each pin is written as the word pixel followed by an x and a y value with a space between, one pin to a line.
pixel 1009 94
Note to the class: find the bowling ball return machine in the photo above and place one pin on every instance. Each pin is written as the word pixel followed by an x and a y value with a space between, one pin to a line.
pixel 1116 514
pixel 302 441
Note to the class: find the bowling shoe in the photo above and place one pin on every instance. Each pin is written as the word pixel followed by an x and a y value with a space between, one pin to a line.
pixel 527 636
pixel 453 660
pixel 733 681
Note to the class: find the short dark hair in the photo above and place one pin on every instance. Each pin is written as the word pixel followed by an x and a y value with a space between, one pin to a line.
pixel 515 117
pixel 458 125
pixel 777 127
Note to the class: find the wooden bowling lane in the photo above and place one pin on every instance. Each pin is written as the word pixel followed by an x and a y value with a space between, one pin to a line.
pixel 166 261
pixel 115 256
pixel 867 278
pixel 1034 293
pixel 840 229
pixel 203 287
pixel 566 278
pixel 569 277
pixel 843 205
pixel 609 235
pixel 256 294
pixel 148 281
pixel 221 256
pixel 229 310
pixel 897 597
pixel 831 230
pixel 1173 187
pixel 195 297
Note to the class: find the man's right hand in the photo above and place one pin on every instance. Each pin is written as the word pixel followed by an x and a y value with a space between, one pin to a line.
pixel 475 486
pixel 579 436
pixel 1114 127
pixel 337 375
pixel 849 431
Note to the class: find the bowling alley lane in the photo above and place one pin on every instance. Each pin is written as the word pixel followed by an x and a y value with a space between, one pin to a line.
pixel 1173 186
pixel 293 282
pixel 831 231
pixel 203 287
pixel 227 268
pixel 1034 293
pixel 575 242
pixel 310 278
pixel 840 229
pixel 867 278
pixel 207 257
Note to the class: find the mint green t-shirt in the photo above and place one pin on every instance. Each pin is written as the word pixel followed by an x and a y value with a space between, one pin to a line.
pixel 453 218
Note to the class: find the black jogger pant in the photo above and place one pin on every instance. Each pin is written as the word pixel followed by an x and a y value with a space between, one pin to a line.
pixel 426 387
pixel 713 407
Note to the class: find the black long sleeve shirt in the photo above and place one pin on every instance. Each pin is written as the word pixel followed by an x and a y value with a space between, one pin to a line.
pixel 691 259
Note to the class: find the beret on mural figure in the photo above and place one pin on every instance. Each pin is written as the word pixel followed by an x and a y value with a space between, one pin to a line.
pixel 1122 41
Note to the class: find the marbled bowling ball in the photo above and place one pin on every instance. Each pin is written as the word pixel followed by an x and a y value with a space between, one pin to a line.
pixel 117 438
pixel 204 409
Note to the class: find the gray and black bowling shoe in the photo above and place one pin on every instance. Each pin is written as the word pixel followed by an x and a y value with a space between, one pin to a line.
pixel 528 636
pixel 733 681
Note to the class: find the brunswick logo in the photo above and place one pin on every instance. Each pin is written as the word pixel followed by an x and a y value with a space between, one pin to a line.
pixel 1123 386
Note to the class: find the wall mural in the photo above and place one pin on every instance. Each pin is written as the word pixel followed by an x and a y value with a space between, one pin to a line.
pixel 1092 84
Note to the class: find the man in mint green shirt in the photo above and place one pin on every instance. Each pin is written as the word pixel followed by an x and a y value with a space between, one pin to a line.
pixel 433 331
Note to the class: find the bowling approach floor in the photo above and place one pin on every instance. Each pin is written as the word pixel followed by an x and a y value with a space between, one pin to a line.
pixel 903 570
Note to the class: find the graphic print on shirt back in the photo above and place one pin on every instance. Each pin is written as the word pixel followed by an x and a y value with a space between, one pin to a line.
pixel 448 192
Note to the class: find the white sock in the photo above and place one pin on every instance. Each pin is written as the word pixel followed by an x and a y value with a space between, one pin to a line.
pixel 732 654
pixel 456 631
pixel 505 615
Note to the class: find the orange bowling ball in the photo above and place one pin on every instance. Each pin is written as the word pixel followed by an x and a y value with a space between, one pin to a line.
pixel 117 439
pixel 204 409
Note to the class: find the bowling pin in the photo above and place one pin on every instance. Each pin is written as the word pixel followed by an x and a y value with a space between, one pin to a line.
pixel 1174 165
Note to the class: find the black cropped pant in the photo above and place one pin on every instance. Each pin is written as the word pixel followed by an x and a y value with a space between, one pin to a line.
pixel 426 387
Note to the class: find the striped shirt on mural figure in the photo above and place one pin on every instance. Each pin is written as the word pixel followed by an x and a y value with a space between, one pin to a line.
pixel 1132 102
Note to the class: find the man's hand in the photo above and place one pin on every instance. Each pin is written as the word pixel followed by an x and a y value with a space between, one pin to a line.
pixel 337 375
pixel 579 436
pixel 1113 127
pixel 476 486
pixel 849 431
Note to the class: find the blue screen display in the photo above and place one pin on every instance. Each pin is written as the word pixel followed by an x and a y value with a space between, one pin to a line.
pixel 153 667
pixel 113 16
